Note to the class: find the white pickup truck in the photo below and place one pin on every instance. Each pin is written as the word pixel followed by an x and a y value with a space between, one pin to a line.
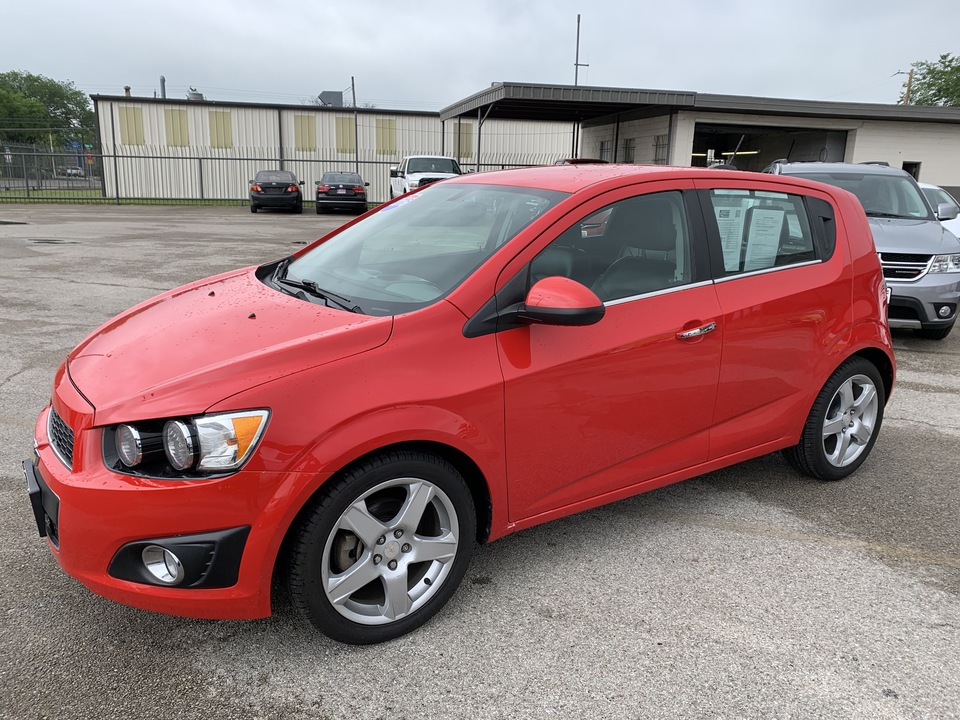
pixel 418 170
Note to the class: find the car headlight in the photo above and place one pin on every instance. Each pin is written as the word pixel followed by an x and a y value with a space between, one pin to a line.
pixel 413 183
pixel 203 444
pixel 945 263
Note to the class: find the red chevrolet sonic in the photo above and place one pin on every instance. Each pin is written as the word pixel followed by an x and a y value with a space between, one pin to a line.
pixel 492 352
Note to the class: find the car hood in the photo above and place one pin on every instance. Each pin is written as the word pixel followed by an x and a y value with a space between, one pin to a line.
pixel 192 347
pixel 897 235
pixel 444 175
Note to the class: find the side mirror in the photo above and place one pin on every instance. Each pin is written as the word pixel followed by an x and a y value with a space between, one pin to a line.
pixel 393 171
pixel 299 182
pixel 366 184
pixel 249 182
pixel 560 301
pixel 946 211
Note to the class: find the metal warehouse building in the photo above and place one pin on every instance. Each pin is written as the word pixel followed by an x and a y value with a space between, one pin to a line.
pixel 193 149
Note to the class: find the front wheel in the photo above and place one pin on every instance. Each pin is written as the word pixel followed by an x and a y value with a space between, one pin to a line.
pixel 843 423
pixel 383 548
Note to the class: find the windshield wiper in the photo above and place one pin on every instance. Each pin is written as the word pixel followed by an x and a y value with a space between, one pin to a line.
pixel 310 288
pixel 876 213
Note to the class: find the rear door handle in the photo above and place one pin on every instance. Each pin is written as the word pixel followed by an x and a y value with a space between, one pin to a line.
pixel 697 332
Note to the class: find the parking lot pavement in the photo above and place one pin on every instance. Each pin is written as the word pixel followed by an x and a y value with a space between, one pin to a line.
pixel 747 593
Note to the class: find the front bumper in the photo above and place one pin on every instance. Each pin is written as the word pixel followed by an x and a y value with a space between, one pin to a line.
pixel 97 522
pixel 915 305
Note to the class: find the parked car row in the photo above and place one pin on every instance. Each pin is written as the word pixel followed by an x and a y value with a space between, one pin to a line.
pixel 280 189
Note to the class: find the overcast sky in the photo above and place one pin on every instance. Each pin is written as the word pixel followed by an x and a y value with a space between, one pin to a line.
pixel 428 54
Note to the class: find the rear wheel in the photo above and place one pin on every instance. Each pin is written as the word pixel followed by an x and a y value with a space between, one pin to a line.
pixel 298 208
pixel 319 209
pixel 843 423
pixel 253 208
pixel 383 549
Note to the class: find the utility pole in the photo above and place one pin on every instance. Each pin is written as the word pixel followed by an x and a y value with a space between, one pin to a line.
pixel 356 125
pixel 906 93
pixel 576 79
pixel 576 62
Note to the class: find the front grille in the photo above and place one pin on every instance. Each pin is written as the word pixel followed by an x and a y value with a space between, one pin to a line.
pixel 428 180
pixel 61 438
pixel 904 266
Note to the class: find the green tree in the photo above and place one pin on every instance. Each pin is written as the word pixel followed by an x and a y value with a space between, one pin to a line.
pixel 934 83
pixel 22 119
pixel 34 108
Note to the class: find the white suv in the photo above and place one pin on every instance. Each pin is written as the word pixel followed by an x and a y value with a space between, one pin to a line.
pixel 419 170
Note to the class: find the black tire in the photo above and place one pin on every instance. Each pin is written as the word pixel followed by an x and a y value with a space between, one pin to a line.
pixel 392 196
pixel 253 208
pixel 319 209
pixel 851 403
pixel 934 333
pixel 406 568
pixel 298 209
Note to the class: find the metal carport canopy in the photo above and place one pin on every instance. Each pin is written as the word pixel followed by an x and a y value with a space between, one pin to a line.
pixel 525 101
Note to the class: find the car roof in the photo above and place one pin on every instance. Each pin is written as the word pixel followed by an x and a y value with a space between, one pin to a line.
pixel 571 178
pixel 437 157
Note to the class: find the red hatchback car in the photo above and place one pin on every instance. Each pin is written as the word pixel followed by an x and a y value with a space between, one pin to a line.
pixel 461 364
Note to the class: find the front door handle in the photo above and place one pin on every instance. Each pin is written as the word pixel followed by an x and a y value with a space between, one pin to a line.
pixel 697 332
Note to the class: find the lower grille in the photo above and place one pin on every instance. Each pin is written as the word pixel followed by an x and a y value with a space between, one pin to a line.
pixel 61 438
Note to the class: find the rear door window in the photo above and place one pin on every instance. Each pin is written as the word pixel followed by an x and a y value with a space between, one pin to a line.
pixel 760 230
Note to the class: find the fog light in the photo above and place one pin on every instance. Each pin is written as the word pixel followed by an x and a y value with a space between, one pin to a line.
pixel 163 565
pixel 945 311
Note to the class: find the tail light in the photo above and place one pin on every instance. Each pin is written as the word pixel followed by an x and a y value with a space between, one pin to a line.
pixel 358 189
pixel 292 188
pixel 256 188
pixel 323 188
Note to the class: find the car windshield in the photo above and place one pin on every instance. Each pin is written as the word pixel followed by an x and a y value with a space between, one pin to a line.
pixel 894 196
pixel 437 164
pixel 276 176
pixel 335 178
pixel 413 252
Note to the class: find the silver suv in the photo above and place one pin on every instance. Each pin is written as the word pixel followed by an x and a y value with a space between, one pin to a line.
pixel 921 260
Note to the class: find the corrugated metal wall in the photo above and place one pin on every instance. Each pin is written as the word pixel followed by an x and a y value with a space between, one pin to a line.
pixel 183 150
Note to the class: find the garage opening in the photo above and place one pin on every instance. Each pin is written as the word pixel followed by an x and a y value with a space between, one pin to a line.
pixel 748 147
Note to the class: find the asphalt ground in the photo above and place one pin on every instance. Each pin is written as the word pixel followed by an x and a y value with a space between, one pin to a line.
pixel 747 593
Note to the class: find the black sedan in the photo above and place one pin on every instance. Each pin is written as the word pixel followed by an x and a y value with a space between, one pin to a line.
pixel 341 191
pixel 276 189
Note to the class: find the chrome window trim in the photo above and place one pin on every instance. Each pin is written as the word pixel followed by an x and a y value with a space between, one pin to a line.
pixel 655 293
pixel 766 271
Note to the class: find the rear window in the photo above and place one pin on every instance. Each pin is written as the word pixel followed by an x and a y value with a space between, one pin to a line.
pixel 333 178
pixel 276 176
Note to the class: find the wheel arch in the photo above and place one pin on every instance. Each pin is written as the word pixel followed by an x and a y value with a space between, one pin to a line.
pixel 881 361
pixel 463 463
